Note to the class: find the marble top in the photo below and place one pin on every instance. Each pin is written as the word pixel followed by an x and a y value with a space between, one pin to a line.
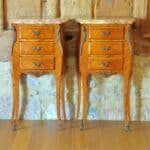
pixel 38 21
pixel 107 21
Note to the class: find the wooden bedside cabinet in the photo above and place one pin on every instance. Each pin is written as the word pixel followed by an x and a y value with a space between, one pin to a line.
pixel 39 49
pixel 105 48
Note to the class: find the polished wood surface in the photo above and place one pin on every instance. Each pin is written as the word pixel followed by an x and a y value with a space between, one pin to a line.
pixel 36 62
pixel 38 49
pixel 105 49
pixel 36 32
pixel 99 135
pixel 106 32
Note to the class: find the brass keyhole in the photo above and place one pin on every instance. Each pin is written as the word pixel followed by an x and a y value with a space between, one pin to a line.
pixel 36 32
pixel 37 64
pixel 105 64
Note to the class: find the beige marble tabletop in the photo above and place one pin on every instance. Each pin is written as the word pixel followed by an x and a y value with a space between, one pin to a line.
pixel 38 21
pixel 107 20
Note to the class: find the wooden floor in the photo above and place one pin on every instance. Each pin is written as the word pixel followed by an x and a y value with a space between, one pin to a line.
pixel 98 135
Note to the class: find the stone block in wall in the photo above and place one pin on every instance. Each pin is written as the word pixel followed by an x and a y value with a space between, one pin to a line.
pixel 20 9
pixel 115 8
pixel 6 42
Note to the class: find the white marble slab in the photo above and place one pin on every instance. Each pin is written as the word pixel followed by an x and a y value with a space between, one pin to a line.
pixel 38 21
pixel 106 21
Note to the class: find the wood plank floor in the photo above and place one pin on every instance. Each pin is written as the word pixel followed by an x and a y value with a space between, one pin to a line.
pixel 98 135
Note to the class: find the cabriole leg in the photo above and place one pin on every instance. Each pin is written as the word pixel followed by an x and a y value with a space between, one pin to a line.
pixel 62 97
pixel 127 78
pixel 79 95
pixel 84 79
pixel 58 86
pixel 15 117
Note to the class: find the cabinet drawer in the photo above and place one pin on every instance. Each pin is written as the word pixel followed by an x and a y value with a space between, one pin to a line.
pixel 105 48
pixel 36 62
pixel 106 33
pixel 112 63
pixel 36 32
pixel 36 48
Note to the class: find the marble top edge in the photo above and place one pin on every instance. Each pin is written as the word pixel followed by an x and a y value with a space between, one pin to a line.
pixel 107 21
pixel 38 21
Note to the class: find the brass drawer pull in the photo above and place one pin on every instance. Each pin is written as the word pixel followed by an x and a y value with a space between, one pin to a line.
pixel 105 64
pixel 36 48
pixel 105 74
pixel 37 64
pixel 106 33
pixel 36 32
pixel 106 48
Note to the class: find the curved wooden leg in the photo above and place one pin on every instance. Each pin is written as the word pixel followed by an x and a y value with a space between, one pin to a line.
pixel 84 79
pixel 58 86
pixel 79 95
pixel 62 97
pixel 127 78
pixel 15 117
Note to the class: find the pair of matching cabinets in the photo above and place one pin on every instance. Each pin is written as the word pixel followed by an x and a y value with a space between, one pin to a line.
pixel 103 48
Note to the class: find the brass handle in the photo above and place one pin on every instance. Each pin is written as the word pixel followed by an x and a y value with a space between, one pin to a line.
pixel 36 32
pixel 106 48
pixel 36 48
pixel 105 64
pixel 106 33
pixel 105 74
pixel 37 64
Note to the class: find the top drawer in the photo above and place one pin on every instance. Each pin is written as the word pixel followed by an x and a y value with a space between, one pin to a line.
pixel 106 32
pixel 36 32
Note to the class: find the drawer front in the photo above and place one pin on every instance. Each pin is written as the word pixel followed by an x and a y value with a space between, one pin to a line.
pixel 105 48
pixel 36 32
pixel 106 33
pixel 37 63
pixel 36 48
pixel 113 63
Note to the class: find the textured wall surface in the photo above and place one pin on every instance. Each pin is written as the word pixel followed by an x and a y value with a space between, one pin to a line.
pixel 37 95
pixel 22 9
pixel 71 9
pixel 106 95
pixel 140 8
pixel 112 7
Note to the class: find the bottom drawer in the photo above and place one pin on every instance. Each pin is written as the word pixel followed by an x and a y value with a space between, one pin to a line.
pixel 112 63
pixel 37 62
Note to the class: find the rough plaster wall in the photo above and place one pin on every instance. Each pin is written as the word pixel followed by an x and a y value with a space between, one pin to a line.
pixel 140 8
pixel 50 9
pixel 6 41
pixel 78 8
pixel 73 8
pixel 115 8
pixel 23 9
pixel 70 6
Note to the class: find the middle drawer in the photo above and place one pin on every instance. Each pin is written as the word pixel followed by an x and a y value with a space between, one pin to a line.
pixel 105 48
pixel 36 48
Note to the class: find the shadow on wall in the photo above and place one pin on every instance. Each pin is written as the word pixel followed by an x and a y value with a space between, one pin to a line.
pixel 72 36
pixel 140 74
